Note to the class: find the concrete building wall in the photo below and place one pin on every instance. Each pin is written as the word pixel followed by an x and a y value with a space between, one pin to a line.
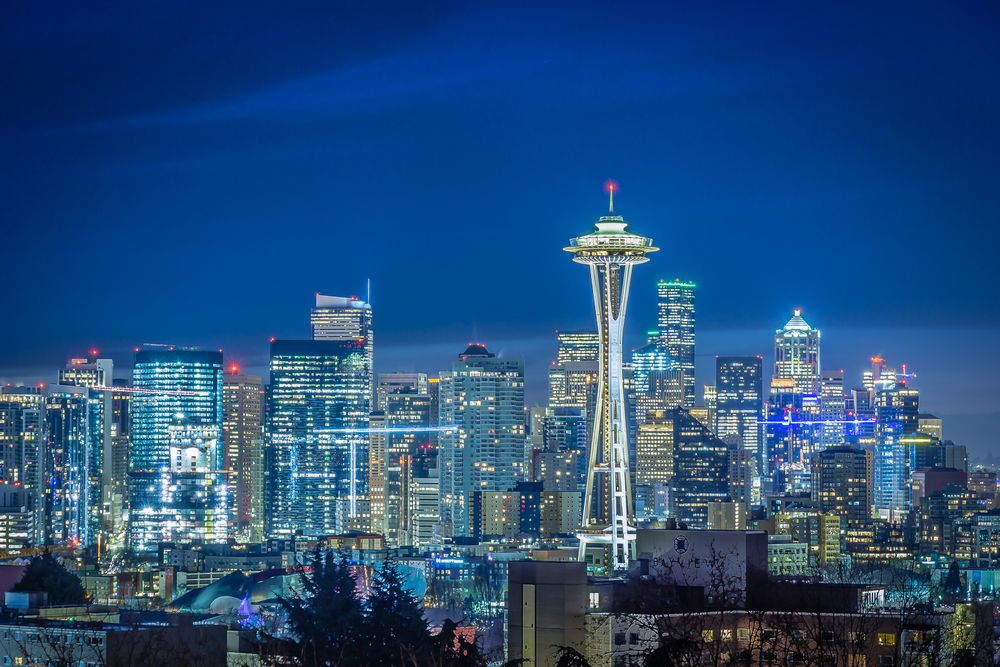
pixel 546 606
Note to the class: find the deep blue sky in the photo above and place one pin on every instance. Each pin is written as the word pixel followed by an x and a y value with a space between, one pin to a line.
pixel 194 175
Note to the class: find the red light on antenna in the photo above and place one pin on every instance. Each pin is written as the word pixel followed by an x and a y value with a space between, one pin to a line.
pixel 611 186
pixel 93 351
pixel 234 369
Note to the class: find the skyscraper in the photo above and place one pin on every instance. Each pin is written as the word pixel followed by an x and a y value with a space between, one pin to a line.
pixel 317 445
pixel 103 508
pixel 701 470
pixel 739 401
pixel 348 319
pixel 841 483
pixel 67 492
pixel 574 369
pixel 676 324
pixel 833 407
pixel 610 252
pixel 654 462
pixel 243 445
pixel 178 490
pixel 403 409
pixel 658 382
pixel 391 383
pixel 796 354
pixel 121 438
pixel 483 396
pixel 22 448
pixel 897 407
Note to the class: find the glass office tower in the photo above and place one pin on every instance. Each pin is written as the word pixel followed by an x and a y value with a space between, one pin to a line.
pixel 176 449
pixel 700 469
pixel 97 375
pixel 796 354
pixel 316 477
pixel 676 325
pixel 347 319
pixel 67 455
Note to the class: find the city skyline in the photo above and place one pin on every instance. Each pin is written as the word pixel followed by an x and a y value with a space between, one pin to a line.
pixel 841 350
pixel 297 366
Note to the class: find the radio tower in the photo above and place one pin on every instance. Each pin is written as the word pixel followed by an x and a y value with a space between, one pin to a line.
pixel 610 251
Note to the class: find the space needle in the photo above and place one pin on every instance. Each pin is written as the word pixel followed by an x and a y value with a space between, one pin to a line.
pixel 610 251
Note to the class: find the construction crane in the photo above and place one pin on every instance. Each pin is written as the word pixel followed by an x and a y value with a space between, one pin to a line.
pixel 140 390
pixel 373 430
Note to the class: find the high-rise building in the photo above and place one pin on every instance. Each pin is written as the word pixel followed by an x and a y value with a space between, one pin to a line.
pixel 243 447
pixel 739 402
pixel 676 324
pixel 833 407
pixel 792 431
pixel 796 354
pixel 561 461
pixel 931 425
pixel 403 410
pixel 317 473
pixel 483 396
pixel 22 448
pixel 650 360
pixel 425 512
pixel 841 483
pixel 654 463
pixel 574 370
pixel 393 383
pixel 66 517
pixel 121 438
pixel 178 487
pixel 347 319
pixel 574 346
pixel 610 253
pixel 377 459
pixel 17 519
pixel 896 409
pixel 701 470
pixel 103 507
pixel 658 383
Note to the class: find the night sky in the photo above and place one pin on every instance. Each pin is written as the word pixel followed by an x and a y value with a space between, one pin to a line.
pixel 194 175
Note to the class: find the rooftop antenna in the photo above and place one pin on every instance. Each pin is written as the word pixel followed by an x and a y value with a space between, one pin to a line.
pixel 369 298
pixel 611 198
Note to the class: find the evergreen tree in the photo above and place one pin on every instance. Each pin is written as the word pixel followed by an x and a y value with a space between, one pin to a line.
pixel 952 584
pixel 397 628
pixel 328 617
pixel 46 574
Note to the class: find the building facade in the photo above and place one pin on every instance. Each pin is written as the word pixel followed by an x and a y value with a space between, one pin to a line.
pixel 176 449
pixel 483 398
pixel 676 317
pixel 317 446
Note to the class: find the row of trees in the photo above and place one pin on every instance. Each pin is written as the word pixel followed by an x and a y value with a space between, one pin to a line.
pixel 332 625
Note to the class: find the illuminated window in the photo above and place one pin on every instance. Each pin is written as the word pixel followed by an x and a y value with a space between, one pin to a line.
pixel 708 635
pixel 886 639
pixel 727 635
